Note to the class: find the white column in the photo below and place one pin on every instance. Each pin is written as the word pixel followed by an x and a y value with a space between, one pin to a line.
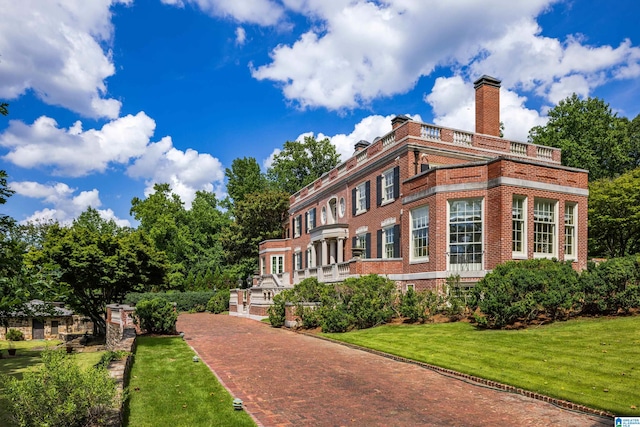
pixel 324 252
pixel 332 252
pixel 340 249
pixel 312 261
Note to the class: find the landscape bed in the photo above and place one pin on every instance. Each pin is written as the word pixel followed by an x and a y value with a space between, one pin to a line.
pixel 593 362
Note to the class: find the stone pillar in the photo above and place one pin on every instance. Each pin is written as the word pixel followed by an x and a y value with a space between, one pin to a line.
pixel 332 252
pixel 340 250
pixel 312 261
pixel 324 252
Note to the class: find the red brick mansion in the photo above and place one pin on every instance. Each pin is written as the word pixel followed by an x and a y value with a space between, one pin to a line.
pixel 423 203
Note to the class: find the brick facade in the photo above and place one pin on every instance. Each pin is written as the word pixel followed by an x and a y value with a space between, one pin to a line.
pixel 475 192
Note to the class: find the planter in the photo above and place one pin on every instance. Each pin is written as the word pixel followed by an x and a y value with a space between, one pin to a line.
pixel 12 351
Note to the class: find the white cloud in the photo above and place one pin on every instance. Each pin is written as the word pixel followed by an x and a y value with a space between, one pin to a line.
pixel 56 49
pixel 453 103
pixel 74 152
pixel 261 12
pixel 66 205
pixel 359 51
pixel 186 171
pixel 367 129
pixel 241 36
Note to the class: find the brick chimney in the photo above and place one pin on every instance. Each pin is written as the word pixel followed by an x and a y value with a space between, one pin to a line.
pixel 487 105
pixel 360 145
pixel 399 120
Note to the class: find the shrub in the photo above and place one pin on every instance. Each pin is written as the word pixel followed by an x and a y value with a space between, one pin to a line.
pixel 369 300
pixel 59 394
pixel 15 335
pixel 185 301
pixel 611 286
pixel 219 302
pixel 277 311
pixel 523 290
pixel 156 316
pixel 109 356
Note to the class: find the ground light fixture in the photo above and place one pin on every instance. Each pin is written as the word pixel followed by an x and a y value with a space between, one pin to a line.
pixel 237 404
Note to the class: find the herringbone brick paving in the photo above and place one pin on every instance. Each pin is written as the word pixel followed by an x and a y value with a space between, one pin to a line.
pixel 288 379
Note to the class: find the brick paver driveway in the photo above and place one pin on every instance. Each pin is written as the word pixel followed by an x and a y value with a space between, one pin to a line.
pixel 288 379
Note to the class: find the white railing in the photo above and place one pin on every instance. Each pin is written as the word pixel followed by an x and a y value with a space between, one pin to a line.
pixel 343 270
pixel 430 132
pixel 389 140
pixel 462 138
pixel 518 148
pixel 342 169
pixel 361 156
pixel 325 273
pixel 544 153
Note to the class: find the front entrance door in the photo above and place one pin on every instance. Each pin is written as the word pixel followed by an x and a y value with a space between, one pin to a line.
pixel 38 330
pixel 54 328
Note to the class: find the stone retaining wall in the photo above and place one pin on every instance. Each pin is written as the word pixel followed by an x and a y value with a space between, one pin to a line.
pixel 119 370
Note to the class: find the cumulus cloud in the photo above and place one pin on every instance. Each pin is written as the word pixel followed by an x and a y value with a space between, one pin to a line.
pixel 56 49
pixel 453 102
pixel 359 51
pixel 186 171
pixel 72 151
pixel 367 129
pixel 66 204
pixel 241 36
pixel 261 12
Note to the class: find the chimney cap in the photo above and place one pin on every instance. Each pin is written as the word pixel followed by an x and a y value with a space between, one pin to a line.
pixel 400 119
pixel 361 144
pixel 486 80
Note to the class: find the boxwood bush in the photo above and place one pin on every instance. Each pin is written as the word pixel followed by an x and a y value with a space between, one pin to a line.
pixel 520 291
pixel 156 316
pixel 611 287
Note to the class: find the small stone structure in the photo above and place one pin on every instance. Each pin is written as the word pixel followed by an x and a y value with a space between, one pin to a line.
pixel 47 321
pixel 120 325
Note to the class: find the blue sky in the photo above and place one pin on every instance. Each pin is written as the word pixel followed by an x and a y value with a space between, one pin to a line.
pixel 108 97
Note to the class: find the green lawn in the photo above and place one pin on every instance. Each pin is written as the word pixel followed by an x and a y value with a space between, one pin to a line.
pixel 28 355
pixel 168 389
pixel 593 362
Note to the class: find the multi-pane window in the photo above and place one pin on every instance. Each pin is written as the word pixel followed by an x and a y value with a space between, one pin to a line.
pixel 518 218
pixel 277 264
pixel 387 185
pixel 311 219
pixel 465 235
pixel 387 242
pixel 361 198
pixel 263 265
pixel 570 230
pixel 297 226
pixel 420 233
pixel 361 242
pixel 297 261
pixel 544 227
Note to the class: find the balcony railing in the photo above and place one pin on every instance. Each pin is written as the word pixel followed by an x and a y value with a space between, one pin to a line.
pixel 430 132
pixel 326 273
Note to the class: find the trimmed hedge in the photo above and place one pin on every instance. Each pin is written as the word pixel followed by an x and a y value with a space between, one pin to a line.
pixel 185 301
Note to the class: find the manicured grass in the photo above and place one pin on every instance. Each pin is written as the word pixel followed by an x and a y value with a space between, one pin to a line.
pixel 593 362
pixel 168 389
pixel 27 356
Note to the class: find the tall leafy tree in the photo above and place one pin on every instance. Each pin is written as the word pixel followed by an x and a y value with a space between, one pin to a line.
pixel 257 218
pixel 243 178
pixel 590 135
pixel 96 262
pixel 301 162
pixel 614 215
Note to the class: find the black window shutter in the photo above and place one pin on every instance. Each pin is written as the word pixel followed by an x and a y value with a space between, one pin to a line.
pixel 313 223
pixel 396 182
pixel 379 243
pixel 378 190
pixel 396 241
pixel 306 222
pixel 424 167
pixel 353 201
pixel 294 267
pixel 367 240
pixel 367 192
pixel 306 259
pixel 353 242
pixel 293 226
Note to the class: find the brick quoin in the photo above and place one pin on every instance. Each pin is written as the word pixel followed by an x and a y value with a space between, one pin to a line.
pixel 436 166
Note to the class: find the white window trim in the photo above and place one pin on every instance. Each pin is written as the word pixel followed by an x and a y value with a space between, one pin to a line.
pixel 361 195
pixel 277 261
pixel 323 215
pixel 556 242
pixel 384 185
pixel 523 253
pixel 297 226
pixel 384 241
pixel 362 238
pixel 412 257
pixel 342 207
pixel 482 223
pixel 574 256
